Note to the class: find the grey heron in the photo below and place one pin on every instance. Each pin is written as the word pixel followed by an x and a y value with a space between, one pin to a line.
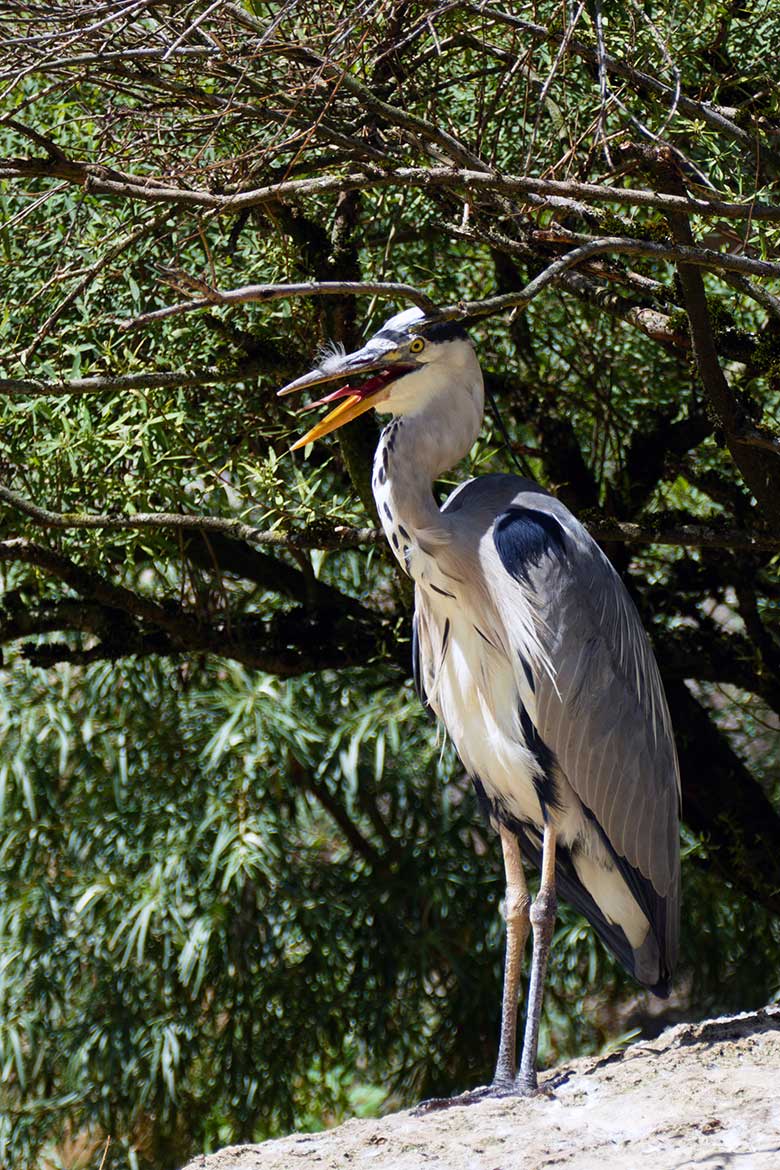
pixel 529 650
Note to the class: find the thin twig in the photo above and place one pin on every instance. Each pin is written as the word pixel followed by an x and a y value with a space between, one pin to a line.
pixel 105 1152
pixel 191 29
pixel 105 59
pixel 756 292
pixel 604 91
pixel 542 98
pixel 168 629
pixel 760 472
pixel 113 383
pixel 92 272
pixel 716 116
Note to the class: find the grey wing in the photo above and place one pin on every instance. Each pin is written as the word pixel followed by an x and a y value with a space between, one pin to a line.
pixel 600 708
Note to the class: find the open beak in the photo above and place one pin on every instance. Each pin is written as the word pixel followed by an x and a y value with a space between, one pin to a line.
pixel 352 400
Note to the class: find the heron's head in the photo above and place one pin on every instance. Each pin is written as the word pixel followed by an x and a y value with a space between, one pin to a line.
pixel 402 369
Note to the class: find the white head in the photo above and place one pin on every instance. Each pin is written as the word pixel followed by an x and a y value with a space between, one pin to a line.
pixel 419 369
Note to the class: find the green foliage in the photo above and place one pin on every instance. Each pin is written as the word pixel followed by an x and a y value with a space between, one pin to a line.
pixel 193 953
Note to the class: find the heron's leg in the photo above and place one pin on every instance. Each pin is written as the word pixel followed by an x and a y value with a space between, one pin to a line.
pixel 517 926
pixel 543 922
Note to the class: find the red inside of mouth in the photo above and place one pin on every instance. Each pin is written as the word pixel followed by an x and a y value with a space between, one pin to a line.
pixel 377 382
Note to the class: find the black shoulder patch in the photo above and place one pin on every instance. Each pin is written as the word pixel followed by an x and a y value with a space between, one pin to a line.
pixel 522 536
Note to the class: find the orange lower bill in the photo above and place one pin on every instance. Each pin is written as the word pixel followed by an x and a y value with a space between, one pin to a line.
pixel 350 408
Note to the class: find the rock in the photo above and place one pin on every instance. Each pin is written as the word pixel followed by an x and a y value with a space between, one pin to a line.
pixel 700 1097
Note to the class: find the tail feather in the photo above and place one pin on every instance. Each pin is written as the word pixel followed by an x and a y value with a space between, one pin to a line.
pixel 570 888
pixel 650 964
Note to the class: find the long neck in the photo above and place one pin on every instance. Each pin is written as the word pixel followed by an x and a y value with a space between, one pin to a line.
pixel 413 450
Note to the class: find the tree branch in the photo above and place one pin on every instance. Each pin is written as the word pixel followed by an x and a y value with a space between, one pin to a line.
pixel 660 530
pixel 715 656
pixel 100 180
pixel 357 842
pixel 91 273
pixel 287 645
pixel 694 535
pixel 261 293
pixel 215 551
pixel 113 383
pixel 718 117
pixel 48 654
pixel 759 467
pixel 723 802
pixel 93 586
pixel 318 536
pixel 690 256
pixel 19 621
pixel 468 310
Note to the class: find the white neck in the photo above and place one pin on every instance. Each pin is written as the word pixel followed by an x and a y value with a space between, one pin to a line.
pixel 415 448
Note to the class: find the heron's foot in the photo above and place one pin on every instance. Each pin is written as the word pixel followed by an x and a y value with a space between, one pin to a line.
pixel 525 1086
pixel 528 1086
pixel 472 1097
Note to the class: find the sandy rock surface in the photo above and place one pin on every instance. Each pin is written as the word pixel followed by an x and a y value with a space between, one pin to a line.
pixel 700 1097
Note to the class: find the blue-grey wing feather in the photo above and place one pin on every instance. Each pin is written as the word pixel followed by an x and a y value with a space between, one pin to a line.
pixel 602 710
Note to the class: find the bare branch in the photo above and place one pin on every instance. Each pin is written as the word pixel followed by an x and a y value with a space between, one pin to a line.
pixel 93 585
pixel 699 257
pixel 47 654
pixel 759 467
pixel 102 262
pixel 395 115
pixel 695 535
pixel 288 645
pixel 191 29
pixel 701 535
pixel 463 310
pixel 756 292
pixel 319 790
pixel 108 58
pixel 318 536
pixel 100 180
pixel 753 437
pixel 260 293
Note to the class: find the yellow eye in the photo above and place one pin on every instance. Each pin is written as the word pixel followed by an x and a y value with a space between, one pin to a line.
pixel 417 345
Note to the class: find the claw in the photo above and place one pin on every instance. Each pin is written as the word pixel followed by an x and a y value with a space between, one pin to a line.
pixel 472 1097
